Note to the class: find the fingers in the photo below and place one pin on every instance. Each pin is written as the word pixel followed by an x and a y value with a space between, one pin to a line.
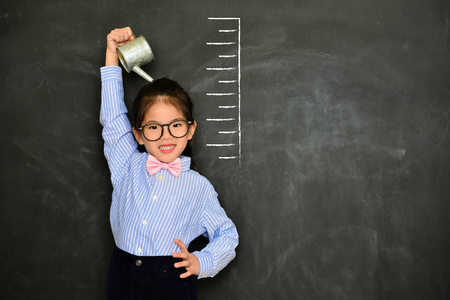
pixel 181 255
pixel 184 255
pixel 181 245
pixel 189 261
pixel 183 263
pixel 119 37
pixel 187 265
pixel 116 38
pixel 185 275
pixel 121 34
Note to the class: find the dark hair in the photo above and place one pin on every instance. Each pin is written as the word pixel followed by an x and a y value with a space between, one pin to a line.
pixel 173 94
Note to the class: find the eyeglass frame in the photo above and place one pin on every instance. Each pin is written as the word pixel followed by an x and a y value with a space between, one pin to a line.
pixel 162 129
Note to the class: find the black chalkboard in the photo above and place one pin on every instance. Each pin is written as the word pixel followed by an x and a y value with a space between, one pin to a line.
pixel 334 160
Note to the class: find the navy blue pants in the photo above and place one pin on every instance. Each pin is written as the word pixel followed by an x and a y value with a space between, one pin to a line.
pixel 148 277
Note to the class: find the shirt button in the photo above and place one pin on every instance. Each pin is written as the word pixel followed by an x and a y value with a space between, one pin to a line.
pixel 160 177
pixel 154 197
pixel 139 250
pixel 139 263
pixel 145 222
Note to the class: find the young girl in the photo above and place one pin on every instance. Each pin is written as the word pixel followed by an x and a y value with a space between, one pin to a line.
pixel 159 204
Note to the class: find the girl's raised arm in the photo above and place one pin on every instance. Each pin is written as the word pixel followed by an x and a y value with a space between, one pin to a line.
pixel 117 132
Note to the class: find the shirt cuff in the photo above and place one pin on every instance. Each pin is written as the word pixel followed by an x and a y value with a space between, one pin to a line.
pixel 111 73
pixel 206 264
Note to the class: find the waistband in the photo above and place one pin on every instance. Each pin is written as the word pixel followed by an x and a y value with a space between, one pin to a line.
pixel 145 261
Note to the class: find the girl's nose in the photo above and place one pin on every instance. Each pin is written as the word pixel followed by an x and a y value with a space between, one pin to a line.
pixel 166 134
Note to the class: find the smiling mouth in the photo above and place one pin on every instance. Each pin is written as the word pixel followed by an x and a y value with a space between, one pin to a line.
pixel 165 148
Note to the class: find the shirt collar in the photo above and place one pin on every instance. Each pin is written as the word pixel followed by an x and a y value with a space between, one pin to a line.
pixel 185 163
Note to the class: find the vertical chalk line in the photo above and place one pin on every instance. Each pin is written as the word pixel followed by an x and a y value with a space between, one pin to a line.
pixel 239 102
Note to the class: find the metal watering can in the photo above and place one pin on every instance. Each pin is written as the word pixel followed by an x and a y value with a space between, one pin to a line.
pixel 135 54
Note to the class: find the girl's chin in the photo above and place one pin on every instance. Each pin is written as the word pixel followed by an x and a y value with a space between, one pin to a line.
pixel 166 157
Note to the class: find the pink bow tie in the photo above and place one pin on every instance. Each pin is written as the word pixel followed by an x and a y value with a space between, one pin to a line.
pixel 154 166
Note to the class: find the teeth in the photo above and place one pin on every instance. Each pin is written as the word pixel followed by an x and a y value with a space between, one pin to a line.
pixel 167 147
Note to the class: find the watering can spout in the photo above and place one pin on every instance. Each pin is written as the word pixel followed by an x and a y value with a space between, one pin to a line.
pixel 135 54
pixel 142 74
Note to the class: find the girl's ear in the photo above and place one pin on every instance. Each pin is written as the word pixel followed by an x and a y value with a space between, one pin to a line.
pixel 138 136
pixel 192 128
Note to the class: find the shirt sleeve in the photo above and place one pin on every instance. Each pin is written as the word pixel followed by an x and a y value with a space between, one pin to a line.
pixel 223 238
pixel 117 133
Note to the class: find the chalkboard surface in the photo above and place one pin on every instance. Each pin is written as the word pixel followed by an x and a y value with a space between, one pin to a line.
pixel 323 125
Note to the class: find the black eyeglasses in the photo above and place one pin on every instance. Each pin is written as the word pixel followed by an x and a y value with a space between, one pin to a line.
pixel 154 131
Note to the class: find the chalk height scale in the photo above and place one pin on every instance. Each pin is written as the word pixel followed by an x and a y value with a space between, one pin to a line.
pixel 227 91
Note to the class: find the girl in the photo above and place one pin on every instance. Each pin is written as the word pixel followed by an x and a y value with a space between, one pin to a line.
pixel 159 204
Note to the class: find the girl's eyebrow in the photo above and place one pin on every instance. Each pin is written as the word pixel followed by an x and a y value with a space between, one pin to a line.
pixel 156 122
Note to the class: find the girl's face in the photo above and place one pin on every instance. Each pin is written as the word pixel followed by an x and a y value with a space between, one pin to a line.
pixel 167 148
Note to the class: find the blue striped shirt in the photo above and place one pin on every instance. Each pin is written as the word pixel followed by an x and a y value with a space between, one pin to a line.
pixel 149 212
